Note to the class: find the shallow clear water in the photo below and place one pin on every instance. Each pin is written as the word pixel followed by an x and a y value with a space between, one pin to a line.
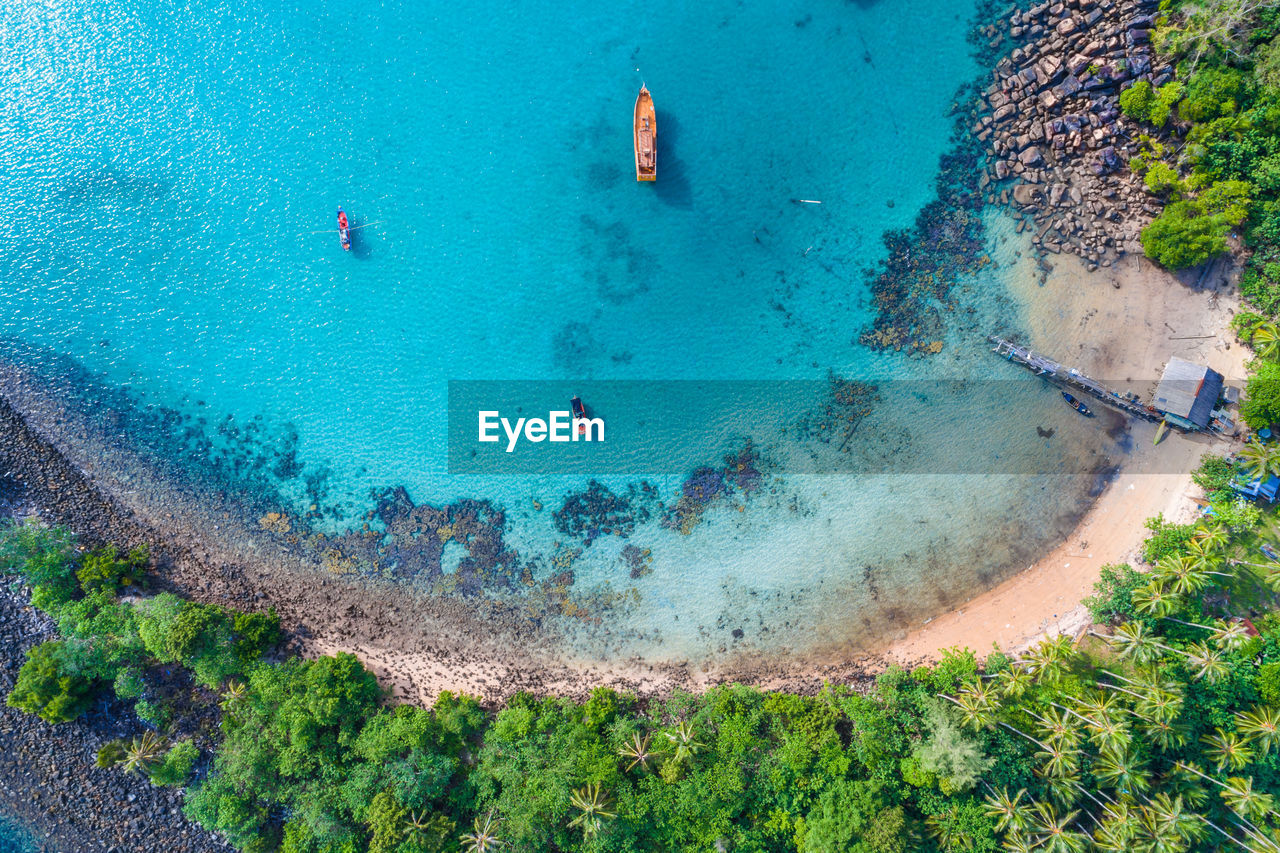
pixel 14 838
pixel 170 176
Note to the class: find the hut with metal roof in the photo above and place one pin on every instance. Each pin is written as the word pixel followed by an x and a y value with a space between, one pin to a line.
pixel 1187 393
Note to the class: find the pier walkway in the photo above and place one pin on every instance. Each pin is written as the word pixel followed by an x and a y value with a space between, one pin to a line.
pixel 1070 377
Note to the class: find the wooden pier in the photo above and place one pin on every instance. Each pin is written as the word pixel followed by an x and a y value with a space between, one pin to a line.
pixel 1071 378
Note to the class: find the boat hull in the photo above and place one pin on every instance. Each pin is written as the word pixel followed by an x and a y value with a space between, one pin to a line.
pixel 645 137
pixel 344 231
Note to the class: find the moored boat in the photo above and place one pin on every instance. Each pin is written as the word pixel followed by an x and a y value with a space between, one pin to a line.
pixel 579 414
pixel 344 230
pixel 645 131
pixel 1076 404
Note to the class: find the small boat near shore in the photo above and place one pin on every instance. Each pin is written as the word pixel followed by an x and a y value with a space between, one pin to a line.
pixel 1076 404
pixel 645 132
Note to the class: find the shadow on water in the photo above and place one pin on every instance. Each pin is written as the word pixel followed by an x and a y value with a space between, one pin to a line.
pixel 672 185
pixel 362 238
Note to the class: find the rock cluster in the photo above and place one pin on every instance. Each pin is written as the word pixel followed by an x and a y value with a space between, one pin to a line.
pixel 1058 145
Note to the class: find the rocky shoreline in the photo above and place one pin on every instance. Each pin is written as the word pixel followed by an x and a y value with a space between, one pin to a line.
pixel 1058 145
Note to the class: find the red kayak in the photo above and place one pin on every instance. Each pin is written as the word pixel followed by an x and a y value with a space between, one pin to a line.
pixel 344 230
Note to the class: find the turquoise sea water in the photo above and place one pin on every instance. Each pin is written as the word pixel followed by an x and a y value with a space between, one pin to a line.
pixel 13 838
pixel 170 175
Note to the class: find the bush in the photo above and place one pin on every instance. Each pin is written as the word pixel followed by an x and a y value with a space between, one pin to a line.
pixel 1136 101
pixel 51 686
pixel 1162 179
pixel 154 715
pixel 1261 290
pixel 110 753
pixel 1165 539
pixel 44 556
pixel 1181 236
pixel 129 683
pixel 1261 404
pixel 842 817
pixel 1236 513
pixel 1213 92
pixel 1167 97
pixel 1112 599
pixel 105 569
pixel 1268 683
pixel 177 765
pixel 1245 323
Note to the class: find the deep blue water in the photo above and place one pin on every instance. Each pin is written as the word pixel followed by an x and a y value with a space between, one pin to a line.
pixel 169 174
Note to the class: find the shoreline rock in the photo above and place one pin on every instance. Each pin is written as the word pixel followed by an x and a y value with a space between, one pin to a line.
pixel 1058 145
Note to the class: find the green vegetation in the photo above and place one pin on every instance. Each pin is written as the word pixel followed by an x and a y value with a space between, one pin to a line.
pixel 1220 118
pixel 1161 733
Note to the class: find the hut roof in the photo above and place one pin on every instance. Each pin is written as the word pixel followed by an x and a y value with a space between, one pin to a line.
pixel 1188 390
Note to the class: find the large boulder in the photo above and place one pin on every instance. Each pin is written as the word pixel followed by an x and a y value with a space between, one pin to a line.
pixel 1026 195
pixel 1031 156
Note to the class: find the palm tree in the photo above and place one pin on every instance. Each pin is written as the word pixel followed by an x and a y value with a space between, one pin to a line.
pixel 1049 659
pixel 1240 797
pixel 682 737
pixel 1160 706
pixel 482 838
pixel 1109 733
pixel 1014 682
pixel 144 752
pixel 1229 635
pixel 1133 642
pixel 1052 832
pixel 1112 838
pixel 1261 726
pixel 1063 789
pixel 1186 574
pixel 425 827
pixel 977 704
pixel 638 751
pixel 1259 460
pixel 1122 772
pixel 232 695
pixel 1157 598
pixel 593 809
pixel 1057 725
pixel 1212 535
pixel 1227 749
pixel 1168 824
pixel 1166 734
pixel 1266 339
pixel 1206 663
pixel 1226 635
pixel 1009 813
pixel 1059 761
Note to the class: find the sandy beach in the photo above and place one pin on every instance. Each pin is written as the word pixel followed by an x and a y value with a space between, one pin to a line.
pixel 1119 325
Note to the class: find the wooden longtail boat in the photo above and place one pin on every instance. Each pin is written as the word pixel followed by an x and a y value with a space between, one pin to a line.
pixel 645 128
